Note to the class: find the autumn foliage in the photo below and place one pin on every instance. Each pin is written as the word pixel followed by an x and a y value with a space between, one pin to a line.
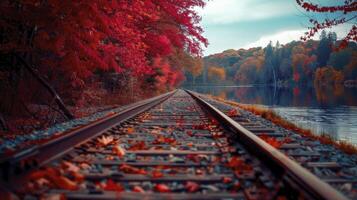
pixel 95 51
pixel 83 36
pixel 216 73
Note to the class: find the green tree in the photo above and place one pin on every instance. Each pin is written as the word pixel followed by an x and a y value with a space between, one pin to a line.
pixel 324 49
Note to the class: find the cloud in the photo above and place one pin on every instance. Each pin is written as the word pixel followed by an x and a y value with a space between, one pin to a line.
pixel 230 11
pixel 283 37
pixel 289 35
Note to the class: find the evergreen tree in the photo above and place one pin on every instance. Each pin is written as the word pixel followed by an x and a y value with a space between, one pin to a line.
pixel 323 50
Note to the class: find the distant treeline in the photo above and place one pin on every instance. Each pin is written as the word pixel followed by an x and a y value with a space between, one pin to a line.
pixel 295 63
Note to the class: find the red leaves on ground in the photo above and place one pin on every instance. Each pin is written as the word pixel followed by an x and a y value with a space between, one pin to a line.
pixel 54 178
pixel 233 113
pixel 272 141
pixel 105 140
pixel 110 185
pixel 227 179
pixel 138 189
pixel 119 151
pixel 138 146
pixel 132 170
pixel 130 130
pixel 234 162
pixel 164 140
pixel 189 133
pixel 201 127
pixel 157 174
pixel 238 165
pixel 162 188
pixel 192 186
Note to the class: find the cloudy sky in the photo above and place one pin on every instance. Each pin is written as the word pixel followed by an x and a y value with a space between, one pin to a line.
pixel 235 24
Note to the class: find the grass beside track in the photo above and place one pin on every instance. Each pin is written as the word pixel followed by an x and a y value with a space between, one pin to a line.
pixel 278 120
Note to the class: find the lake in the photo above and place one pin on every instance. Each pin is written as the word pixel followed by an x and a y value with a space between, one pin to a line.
pixel 330 110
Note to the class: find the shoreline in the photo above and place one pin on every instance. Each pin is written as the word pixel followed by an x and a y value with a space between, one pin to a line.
pixel 273 117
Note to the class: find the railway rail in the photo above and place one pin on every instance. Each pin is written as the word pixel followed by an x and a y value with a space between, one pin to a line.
pixel 175 146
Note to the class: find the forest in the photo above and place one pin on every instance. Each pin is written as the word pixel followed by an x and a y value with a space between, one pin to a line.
pixel 314 62
pixel 61 60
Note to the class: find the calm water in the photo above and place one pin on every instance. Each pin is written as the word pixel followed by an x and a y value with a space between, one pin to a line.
pixel 324 110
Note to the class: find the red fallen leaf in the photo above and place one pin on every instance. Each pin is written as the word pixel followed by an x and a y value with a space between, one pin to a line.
pixel 132 170
pixel 199 172
pixel 192 186
pixel 110 185
pixel 62 182
pixel 130 130
pixel 37 174
pixel 234 162
pixel 157 174
pixel 189 133
pixel 214 122
pixel 55 178
pixel 138 146
pixel 118 150
pixel 192 157
pixel 105 140
pixel 190 144
pixel 139 189
pixel 78 177
pixel 161 188
pixel 200 127
pixel 226 180
pixel 272 141
pixel 217 135
pixel 170 140
pixel 232 113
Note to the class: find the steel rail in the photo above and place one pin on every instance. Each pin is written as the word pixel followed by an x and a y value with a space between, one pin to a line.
pixel 293 173
pixel 21 162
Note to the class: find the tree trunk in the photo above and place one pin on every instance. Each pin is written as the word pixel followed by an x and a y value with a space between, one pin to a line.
pixel 3 125
pixel 49 88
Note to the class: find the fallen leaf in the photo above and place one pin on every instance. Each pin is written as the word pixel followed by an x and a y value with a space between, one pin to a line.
pixel 62 182
pixel 162 188
pixel 233 113
pixel 138 189
pixel 70 166
pixel 78 177
pixel 157 174
pixel 226 179
pixel 189 133
pixel 138 146
pixel 110 185
pixel 272 141
pixel 105 140
pixel 192 186
pixel 53 197
pixel 119 151
pixel 132 170
pixel 130 130
pixel 234 162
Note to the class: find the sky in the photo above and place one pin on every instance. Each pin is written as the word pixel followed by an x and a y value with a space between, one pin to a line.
pixel 235 24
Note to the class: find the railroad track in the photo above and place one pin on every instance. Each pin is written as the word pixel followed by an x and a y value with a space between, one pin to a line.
pixel 175 146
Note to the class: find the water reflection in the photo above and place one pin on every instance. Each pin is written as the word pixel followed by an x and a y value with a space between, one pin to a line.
pixel 331 110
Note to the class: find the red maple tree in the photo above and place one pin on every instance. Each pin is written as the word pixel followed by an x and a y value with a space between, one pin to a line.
pixel 82 36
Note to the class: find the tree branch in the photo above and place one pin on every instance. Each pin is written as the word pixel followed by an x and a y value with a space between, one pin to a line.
pixel 3 124
pixel 49 88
